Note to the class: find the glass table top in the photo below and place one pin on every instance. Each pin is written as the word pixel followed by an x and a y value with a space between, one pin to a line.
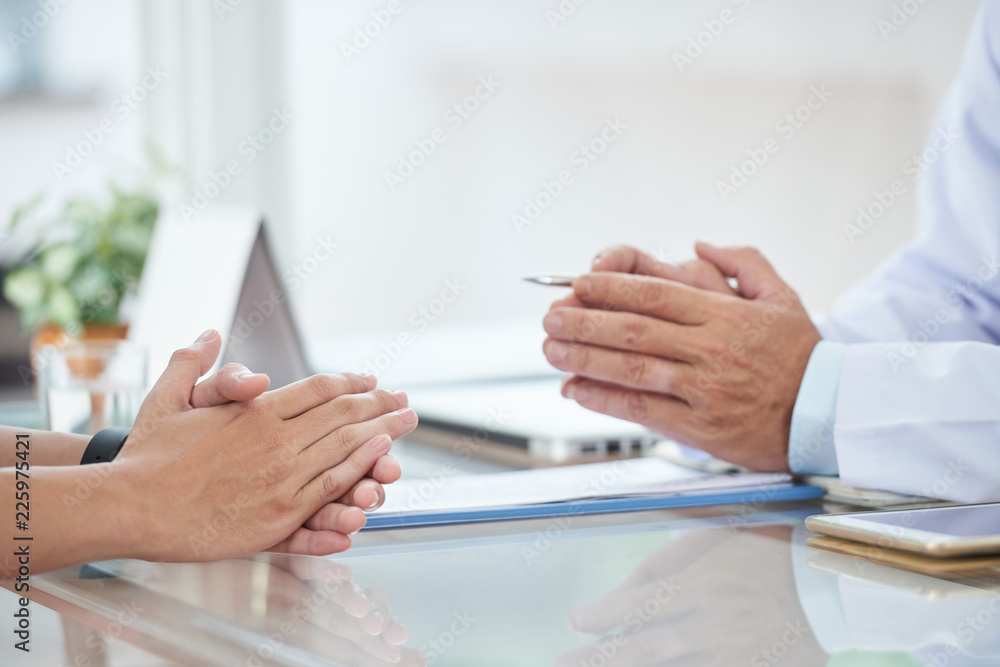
pixel 731 585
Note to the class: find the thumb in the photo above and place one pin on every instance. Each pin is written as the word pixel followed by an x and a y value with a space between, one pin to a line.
pixel 232 382
pixel 756 277
pixel 176 384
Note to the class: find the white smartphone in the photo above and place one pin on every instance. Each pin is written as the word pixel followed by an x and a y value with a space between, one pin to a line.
pixel 956 530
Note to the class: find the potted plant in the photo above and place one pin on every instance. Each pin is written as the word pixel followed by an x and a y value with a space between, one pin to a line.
pixel 79 268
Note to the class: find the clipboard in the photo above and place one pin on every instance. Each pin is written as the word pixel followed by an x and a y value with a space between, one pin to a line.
pixel 418 519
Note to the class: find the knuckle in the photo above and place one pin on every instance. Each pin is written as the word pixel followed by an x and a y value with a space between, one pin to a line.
pixel 348 408
pixel 650 296
pixel 331 484
pixel 636 369
pixel 185 355
pixel 386 401
pixel 635 333
pixel 324 386
pixel 636 407
pixel 342 440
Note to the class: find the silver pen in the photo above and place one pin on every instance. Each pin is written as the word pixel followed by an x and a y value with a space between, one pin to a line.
pixel 554 280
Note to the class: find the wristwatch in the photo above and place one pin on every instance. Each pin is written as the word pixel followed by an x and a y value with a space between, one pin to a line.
pixel 105 445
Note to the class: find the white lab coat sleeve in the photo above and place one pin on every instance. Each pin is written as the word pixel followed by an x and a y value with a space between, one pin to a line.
pixel 918 403
pixel 811 448
pixel 943 286
pixel 926 425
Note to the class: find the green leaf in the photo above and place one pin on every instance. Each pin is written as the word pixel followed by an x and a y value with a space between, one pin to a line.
pixel 25 287
pixel 63 308
pixel 58 262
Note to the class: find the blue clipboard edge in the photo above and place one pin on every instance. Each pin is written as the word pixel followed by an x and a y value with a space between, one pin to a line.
pixel 591 506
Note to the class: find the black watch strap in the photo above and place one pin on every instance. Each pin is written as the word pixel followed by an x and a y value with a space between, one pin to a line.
pixel 105 445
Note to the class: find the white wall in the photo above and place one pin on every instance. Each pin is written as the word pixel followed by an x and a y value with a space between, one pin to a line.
pixel 654 188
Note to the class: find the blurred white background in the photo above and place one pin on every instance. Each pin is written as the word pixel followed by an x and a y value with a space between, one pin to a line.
pixel 227 71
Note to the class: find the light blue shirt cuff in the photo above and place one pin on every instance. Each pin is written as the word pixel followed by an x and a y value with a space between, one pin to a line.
pixel 810 444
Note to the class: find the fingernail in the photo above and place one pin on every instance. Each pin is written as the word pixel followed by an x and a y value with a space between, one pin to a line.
pixel 381 443
pixel 374 505
pixel 370 380
pixel 569 390
pixel 244 374
pixel 205 337
pixel 582 286
pixel 552 323
pixel 408 416
pixel 401 398
pixel 556 351
pixel 597 258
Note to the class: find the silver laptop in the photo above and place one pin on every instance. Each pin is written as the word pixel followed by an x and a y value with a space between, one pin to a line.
pixel 503 404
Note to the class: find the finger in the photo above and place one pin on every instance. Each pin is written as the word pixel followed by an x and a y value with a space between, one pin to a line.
pixel 232 382
pixel 664 414
pixel 756 277
pixel 327 418
pixel 335 620
pixel 656 297
pixel 623 331
pixel 307 542
pixel 337 446
pixel 702 274
pixel 377 619
pixel 386 470
pixel 176 385
pixel 304 395
pixel 367 495
pixel 336 478
pixel 625 369
pixel 395 633
pixel 626 259
pixel 337 518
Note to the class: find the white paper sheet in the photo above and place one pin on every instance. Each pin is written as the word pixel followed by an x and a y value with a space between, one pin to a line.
pixel 627 477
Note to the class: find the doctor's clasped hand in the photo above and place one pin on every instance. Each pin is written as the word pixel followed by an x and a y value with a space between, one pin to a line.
pixel 697 362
